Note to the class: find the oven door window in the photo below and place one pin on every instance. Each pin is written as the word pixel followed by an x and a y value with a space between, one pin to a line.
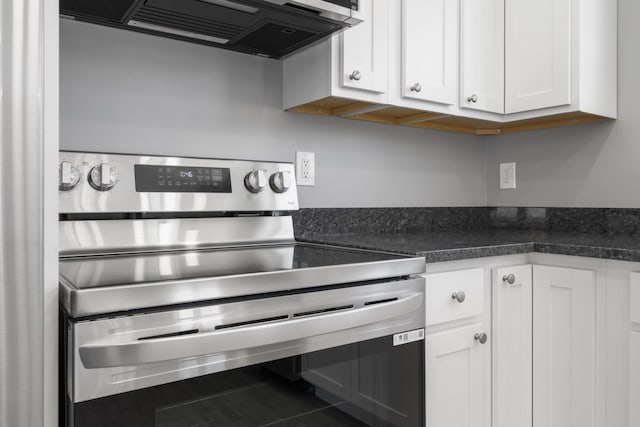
pixel 370 383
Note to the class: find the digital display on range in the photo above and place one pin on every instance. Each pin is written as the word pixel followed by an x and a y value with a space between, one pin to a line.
pixel 181 179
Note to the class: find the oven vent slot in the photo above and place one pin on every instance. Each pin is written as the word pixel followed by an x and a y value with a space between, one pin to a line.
pixel 172 334
pixel 381 301
pixel 252 322
pixel 323 310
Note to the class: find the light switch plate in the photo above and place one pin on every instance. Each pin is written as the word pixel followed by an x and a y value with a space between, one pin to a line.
pixel 508 175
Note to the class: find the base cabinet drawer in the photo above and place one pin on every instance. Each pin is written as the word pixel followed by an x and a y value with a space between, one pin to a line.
pixel 454 295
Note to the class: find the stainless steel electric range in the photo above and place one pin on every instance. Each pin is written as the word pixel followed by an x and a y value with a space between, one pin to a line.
pixel 186 301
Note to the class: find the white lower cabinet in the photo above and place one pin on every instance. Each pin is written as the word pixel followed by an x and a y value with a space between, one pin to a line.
pixel 564 347
pixel 634 380
pixel 455 377
pixel 454 295
pixel 458 349
pixel 634 351
pixel 544 349
pixel 512 346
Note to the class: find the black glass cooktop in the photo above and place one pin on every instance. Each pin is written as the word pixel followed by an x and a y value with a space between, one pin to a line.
pixel 108 271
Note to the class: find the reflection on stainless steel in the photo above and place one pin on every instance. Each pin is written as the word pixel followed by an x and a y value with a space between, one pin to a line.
pixel 115 341
pixel 104 297
pixel 124 270
pixel 109 236
pixel 152 350
pixel 131 260
pixel 123 197
pixel 323 8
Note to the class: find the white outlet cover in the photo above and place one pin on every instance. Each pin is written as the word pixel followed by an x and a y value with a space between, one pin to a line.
pixel 507 175
pixel 305 168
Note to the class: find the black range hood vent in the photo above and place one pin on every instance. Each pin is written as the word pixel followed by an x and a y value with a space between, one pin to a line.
pixel 250 26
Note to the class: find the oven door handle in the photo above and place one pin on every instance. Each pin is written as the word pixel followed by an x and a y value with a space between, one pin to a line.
pixel 109 355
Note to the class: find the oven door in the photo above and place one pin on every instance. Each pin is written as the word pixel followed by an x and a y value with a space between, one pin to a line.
pixel 352 356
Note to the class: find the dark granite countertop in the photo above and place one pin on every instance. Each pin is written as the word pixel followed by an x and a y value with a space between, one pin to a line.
pixel 438 246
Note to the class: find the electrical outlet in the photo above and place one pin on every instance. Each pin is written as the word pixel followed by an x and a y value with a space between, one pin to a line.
pixel 305 168
pixel 508 175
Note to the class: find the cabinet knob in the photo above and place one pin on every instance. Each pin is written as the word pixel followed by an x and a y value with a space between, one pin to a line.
pixel 509 278
pixel 458 296
pixel 473 98
pixel 481 337
pixel 416 88
pixel 355 75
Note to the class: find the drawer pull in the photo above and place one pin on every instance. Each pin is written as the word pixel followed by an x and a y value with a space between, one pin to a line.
pixel 481 338
pixel 509 278
pixel 458 296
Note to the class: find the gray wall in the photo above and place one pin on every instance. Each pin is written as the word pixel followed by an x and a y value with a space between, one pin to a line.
pixel 596 165
pixel 127 92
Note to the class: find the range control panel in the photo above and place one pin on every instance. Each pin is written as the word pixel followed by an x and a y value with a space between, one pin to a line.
pixel 181 179
pixel 110 183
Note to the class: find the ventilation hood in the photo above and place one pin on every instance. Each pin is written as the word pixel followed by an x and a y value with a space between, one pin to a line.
pixel 270 28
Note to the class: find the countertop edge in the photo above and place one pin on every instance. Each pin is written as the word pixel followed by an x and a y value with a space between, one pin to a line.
pixel 454 254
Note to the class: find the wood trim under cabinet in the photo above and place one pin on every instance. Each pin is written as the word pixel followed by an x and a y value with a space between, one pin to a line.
pixel 367 111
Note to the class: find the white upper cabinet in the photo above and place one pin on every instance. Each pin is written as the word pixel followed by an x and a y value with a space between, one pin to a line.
pixel 515 54
pixel 345 71
pixel 482 55
pixel 478 66
pixel 429 30
pixel 364 49
pixel 537 54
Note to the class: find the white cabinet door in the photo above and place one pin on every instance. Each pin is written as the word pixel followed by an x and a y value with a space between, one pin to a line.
pixel 537 54
pixel 564 323
pixel 634 380
pixel 364 49
pixel 430 50
pixel 455 378
pixel 634 351
pixel 482 55
pixel 634 297
pixel 512 346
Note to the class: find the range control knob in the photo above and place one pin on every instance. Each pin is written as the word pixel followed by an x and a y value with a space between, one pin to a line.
pixel 69 176
pixel 256 180
pixel 103 177
pixel 280 181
